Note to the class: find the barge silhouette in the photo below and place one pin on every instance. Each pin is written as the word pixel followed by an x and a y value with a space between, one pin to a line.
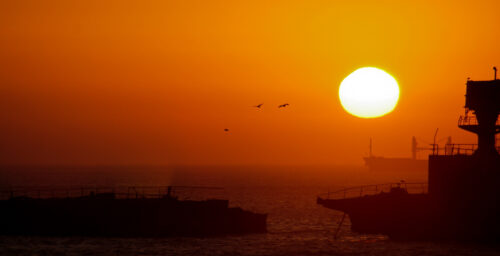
pixel 388 164
pixel 462 201
pixel 128 214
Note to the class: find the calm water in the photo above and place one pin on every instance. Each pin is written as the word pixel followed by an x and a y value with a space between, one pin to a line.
pixel 297 226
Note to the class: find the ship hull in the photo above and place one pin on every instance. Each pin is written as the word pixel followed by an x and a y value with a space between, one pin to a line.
pixel 418 217
pixel 125 217
pixel 401 217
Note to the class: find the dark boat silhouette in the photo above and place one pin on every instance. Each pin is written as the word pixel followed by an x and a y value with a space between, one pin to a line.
pixel 462 201
pixel 385 164
pixel 129 213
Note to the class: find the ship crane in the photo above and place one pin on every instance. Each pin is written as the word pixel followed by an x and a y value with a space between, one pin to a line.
pixel 434 147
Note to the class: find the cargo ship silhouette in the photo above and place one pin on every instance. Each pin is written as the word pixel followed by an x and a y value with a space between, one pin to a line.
pixel 124 212
pixel 462 198
pixel 384 164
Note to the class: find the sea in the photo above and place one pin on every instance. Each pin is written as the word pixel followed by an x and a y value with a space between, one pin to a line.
pixel 297 225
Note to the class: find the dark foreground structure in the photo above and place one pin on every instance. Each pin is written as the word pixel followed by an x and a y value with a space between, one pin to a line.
pixel 463 197
pixel 131 214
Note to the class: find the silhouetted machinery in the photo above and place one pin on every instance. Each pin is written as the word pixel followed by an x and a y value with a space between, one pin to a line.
pixel 463 198
pixel 459 173
pixel 483 98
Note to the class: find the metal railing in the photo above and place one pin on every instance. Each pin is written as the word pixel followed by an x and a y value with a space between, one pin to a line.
pixel 459 149
pixel 356 192
pixel 471 121
pixel 456 149
pixel 467 120
pixel 125 192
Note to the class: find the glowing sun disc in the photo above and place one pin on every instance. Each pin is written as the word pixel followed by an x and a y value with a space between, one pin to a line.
pixel 369 92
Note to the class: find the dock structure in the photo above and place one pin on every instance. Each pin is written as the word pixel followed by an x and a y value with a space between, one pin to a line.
pixel 120 212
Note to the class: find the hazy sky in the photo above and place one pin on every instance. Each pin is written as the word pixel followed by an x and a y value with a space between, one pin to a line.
pixel 157 82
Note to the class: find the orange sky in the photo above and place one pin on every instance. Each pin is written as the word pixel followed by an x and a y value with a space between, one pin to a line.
pixel 156 82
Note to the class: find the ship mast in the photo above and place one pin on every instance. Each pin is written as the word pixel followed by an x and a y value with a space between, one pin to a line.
pixel 371 147
pixel 414 148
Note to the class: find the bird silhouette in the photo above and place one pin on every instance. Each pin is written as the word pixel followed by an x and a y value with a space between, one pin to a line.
pixel 259 106
pixel 226 130
pixel 283 105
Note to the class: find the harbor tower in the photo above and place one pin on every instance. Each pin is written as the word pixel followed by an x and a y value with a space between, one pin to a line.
pixel 469 174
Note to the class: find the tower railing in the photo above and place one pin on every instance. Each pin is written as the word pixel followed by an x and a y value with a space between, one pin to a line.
pixel 471 120
pixel 457 149
pixel 467 120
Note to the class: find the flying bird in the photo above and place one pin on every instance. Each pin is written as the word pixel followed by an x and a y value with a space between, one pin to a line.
pixel 259 106
pixel 226 130
pixel 283 105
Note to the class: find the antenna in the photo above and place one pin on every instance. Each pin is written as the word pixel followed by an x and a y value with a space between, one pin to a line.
pixel 495 68
pixel 435 135
pixel 370 147
pixel 434 146
pixel 414 148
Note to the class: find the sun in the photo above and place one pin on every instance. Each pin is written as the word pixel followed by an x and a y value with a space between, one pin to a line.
pixel 369 92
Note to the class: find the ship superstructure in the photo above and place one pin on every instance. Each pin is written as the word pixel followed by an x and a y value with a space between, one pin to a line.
pixel 462 199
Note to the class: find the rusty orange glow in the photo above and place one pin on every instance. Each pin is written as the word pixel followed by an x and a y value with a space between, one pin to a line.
pixel 157 82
